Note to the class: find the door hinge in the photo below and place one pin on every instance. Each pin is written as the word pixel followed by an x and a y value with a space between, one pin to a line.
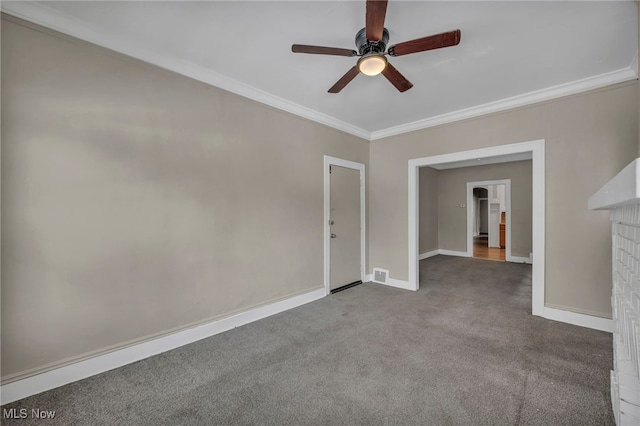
pixel 329 168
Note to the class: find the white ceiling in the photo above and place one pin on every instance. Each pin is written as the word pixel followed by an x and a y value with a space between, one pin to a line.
pixel 511 53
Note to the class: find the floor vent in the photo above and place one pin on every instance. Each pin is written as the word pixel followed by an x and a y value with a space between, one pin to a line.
pixel 380 275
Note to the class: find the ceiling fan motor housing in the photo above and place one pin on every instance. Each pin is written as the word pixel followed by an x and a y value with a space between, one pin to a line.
pixel 365 46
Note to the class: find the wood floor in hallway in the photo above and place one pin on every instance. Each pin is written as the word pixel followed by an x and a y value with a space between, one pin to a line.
pixel 482 251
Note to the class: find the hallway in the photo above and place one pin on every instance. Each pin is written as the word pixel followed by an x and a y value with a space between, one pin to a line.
pixel 481 250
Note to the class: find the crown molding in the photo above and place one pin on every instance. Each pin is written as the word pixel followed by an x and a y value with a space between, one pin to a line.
pixel 634 63
pixel 40 14
pixel 547 94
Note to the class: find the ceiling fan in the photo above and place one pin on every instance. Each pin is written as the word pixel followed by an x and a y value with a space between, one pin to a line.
pixel 371 42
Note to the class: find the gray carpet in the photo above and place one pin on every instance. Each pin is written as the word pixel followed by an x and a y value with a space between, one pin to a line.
pixel 464 349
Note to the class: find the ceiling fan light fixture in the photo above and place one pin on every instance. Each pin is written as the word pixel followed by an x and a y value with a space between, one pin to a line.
pixel 371 42
pixel 372 64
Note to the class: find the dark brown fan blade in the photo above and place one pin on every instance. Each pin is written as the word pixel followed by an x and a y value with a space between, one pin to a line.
pixel 321 50
pixel 397 79
pixel 437 41
pixel 376 10
pixel 350 75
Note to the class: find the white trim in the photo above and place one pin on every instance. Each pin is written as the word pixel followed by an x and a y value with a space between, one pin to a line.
pixel 51 18
pixel 622 189
pixel 582 320
pixel 483 161
pixel 40 14
pixel 470 215
pixel 334 161
pixel 392 282
pixel 99 364
pixel 521 259
pixel 634 63
pixel 566 89
pixel 368 278
pixel 538 226
pixel 429 254
pixel 454 253
pixel 538 206
pixel 514 259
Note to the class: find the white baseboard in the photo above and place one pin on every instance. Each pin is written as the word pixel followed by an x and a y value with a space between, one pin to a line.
pixel 429 254
pixel 520 259
pixel 392 282
pixel 515 259
pixel 454 253
pixel 80 370
pixel 582 320
pixel 443 252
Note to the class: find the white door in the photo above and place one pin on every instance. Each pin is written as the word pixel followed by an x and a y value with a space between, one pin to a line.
pixel 494 225
pixel 344 221
pixel 497 204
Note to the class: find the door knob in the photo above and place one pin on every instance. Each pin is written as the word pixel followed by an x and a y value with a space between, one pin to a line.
pixel 333 235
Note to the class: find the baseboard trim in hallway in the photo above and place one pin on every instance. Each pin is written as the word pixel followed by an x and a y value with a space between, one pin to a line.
pixel 99 364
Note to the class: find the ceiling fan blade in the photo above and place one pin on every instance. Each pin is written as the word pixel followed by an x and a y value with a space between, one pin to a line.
pixel 397 79
pixel 350 75
pixel 437 41
pixel 376 10
pixel 322 50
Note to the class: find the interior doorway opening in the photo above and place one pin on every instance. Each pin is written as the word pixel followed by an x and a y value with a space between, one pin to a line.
pixel 481 247
pixel 533 150
pixel 489 220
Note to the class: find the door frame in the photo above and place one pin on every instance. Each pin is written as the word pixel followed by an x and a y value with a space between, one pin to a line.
pixel 334 161
pixel 536 148
pixel 470 215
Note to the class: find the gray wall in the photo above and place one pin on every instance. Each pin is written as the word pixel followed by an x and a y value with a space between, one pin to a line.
pixel 452 190
pixel 590 137
pixel 138 202
pixel 428 210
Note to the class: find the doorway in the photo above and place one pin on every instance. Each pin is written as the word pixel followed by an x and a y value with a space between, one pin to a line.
pixel 536 151
pixel 489 219
pixel 344 224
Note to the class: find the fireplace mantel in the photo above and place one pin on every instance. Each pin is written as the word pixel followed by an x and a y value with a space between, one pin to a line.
pixel 623 189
